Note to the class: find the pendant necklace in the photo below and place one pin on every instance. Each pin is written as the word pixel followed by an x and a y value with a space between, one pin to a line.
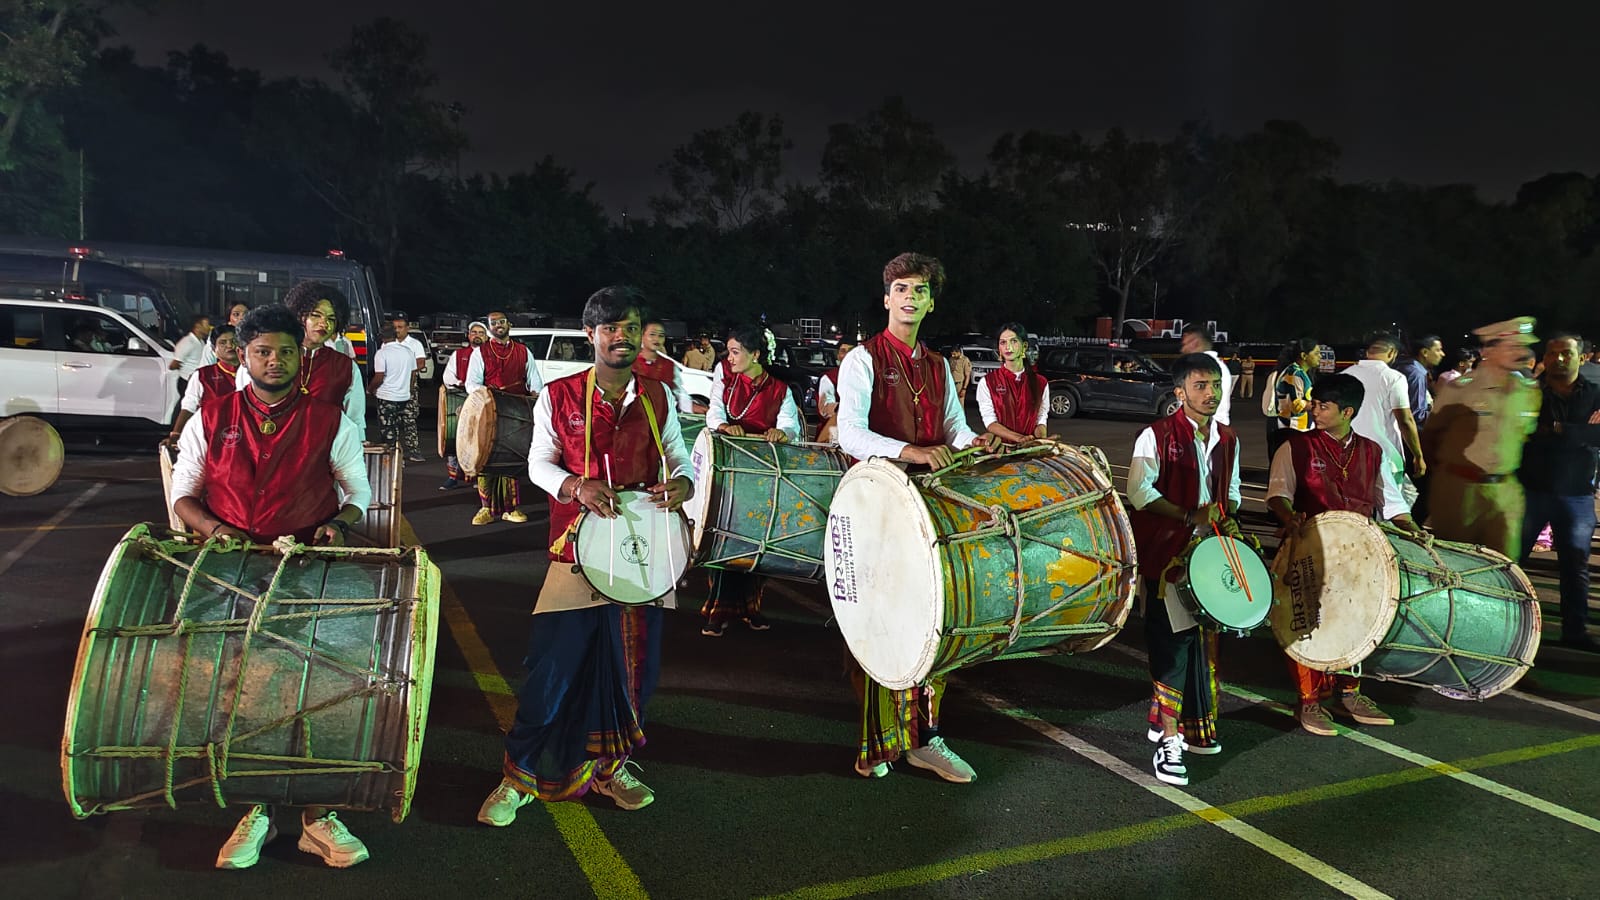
pixel 755 392
pixel 305 376
pixel 268 424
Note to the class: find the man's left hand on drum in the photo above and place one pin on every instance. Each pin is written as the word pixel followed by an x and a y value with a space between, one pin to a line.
pixel 671 494
pixel 597 497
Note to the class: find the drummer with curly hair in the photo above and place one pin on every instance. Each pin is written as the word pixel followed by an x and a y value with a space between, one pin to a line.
pixel 746 401
pixel 592 664
pixel 1014 400
pixel 259 463
pixel 1333 468
pixel 1184 478
pixel 898 400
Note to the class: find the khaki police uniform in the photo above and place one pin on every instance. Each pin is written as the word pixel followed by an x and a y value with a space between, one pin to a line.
pixel 1473 443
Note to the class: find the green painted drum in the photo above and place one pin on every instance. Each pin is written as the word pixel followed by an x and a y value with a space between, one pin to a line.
pixel 760 507
pixel 1225 597
pixel 450 400
pixel 1354 595
pixel 251 676
pixel 1017 555
pixel 691 425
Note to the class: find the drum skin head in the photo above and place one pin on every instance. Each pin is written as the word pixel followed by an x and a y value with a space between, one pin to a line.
pixel 698 509
pixel 1216 589
pixel 885 581
pixel 1337 591
pixel 476 424
pixel 31 456
pixel 649 555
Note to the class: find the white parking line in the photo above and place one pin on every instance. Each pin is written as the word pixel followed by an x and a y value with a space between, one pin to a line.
pixel 1557 705
pixel 21 550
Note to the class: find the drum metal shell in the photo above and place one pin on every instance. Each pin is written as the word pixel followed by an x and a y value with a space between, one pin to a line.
pixel 449 410
pixel 494 431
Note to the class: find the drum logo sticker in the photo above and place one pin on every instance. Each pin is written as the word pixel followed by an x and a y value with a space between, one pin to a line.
pixel 1229 582
pixel 842 548
pixel 634 549
pixel 891 377
pixel 1300 579
pixel 232 435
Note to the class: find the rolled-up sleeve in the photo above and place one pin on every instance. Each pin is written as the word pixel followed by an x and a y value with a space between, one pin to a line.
pixel 1281 478
pixel 194 393
pixel 349 461
pixel 789 418
pixel 1143 470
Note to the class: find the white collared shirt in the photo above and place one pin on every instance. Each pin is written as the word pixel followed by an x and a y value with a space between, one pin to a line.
pixel 788 413
pixel 534 383
pixel 677 386
pixel 1145 468
pixel 858 439
pixel 395 362
pixel 1385 391
pixel 190 352
pixel 1225 408
pixel 348 458
pixel 544 454
pixel 986 403
pixel 1282 479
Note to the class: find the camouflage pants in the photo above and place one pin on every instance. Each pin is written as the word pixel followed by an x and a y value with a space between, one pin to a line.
pixel 398 419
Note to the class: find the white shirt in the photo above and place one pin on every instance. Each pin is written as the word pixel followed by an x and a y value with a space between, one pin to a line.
pixel 678 387
pixel 355 397
pixel 1282 479
pixel 1225 408
pixel 826 393
pixel 855 402
pixel 1386 392
pixel 986 403
pixel 416 349
pixel 342 344
pixel 788 413
pixel 544 455
pixel 194 393
pixel 190 353
pixel 450 379
pixel 347 457
pixel 535 384
pixel 395 361
pixel 1146 468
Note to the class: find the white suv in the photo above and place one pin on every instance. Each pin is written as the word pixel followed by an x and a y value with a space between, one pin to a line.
pixel 78 364
pixel 559 352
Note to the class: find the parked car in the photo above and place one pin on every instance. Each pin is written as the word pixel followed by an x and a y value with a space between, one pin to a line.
pixel 81 366
pixel 984 360
pixel 1100 378
pixel 559 352
pixel 802 363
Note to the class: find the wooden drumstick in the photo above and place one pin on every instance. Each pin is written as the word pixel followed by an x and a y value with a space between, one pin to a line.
pixel 672 566
pixel 611 565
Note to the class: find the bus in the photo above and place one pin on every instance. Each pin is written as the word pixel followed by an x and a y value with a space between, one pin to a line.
pixel 208 282
pixel 67 279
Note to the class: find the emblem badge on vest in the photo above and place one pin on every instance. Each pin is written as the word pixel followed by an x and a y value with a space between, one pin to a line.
pixel 891 378
pixel 1174 450
pixel 575 421
pixel 1319 465
pixel 232 435
pixel 634 549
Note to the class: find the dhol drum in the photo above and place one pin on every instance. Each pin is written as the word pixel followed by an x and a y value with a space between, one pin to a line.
pixel 450 400
pixel 168 457
pixel 380 527
pixel 494 432
pixel 1222 581
pixel 1355 595
pixel 691 425
pixel 637 557
pixel 1016 555
pixel 760 507
pixel 31 456
pixel 251 676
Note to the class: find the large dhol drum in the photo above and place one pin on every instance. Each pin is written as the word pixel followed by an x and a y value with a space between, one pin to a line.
pixel 760 507
pixel 31 456
pixel 251 676
pixel 637 557
pixel 691 425
pixel 1356 595
pixel 450 400
pixel 380 527
pixel 1011 556
pixel 494 433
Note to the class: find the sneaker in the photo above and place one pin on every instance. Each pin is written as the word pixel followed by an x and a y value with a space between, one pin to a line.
pixel 450 484
pixel 500 809
pixel 937 757
pixel 877 770
pixel 328 838
pixel 516 515
pixel 757 622
pixel 627 791
pixel 1315 719
pixel 243 848
pixel 1168 761
pixel 483 517
pixel 1363 710
pixel 416 457
pixel 1211 749
pixel 713 629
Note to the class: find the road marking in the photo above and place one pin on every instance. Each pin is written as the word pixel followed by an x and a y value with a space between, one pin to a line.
pixel 1546 702
pixel 14 528
pixel 39 531
pixel 608 873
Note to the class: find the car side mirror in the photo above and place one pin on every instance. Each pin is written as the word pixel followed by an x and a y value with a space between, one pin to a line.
pixel 135 345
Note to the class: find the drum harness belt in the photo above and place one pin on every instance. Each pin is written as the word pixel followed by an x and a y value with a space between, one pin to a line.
pixel 560 544
pixel 217 756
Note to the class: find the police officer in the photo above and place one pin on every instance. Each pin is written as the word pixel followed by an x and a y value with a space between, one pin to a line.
pixel 1473 442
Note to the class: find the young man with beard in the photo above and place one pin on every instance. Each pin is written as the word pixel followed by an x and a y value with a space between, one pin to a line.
pixel 258 463
pixel 828 396
pixel 503 365
pixel 455 376
pixel 653 362
pixel 746 401
pixel 898 400
pixel 1184 478
pixel 1333 468
pixel 220 377
pixel 592 664
pixel 325 373
pixel 1015 400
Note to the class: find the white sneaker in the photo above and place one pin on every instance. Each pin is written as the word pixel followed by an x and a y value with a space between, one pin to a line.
pixel 937 757
pixel 500 809
pixel 243 848
pixel 877 770
pixel 1154 735
pixel 328 838
pixel 625 790
pixel 1169 761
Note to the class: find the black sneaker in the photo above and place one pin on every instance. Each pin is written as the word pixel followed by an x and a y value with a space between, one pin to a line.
pixel 710 630
pixel 1168 761
pixel 450 484
pixel 757 622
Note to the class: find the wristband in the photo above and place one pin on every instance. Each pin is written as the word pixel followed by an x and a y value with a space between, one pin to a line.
pixel 342 525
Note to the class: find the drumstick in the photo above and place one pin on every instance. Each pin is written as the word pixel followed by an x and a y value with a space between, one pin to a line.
pixel 611 566
pixel 672 567
pixel 1231 553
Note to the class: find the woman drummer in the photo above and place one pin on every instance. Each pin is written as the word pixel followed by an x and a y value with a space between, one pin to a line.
pixel 1015 400
pixel 746 401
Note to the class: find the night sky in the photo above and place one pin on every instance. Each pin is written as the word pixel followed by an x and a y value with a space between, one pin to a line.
pixel 1492 94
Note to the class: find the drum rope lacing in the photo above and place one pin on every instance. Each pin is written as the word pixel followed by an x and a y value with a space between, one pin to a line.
pixel 780 477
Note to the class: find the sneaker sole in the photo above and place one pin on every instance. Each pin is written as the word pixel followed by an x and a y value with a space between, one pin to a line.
pixel 952 777
pixel 1211 750
pixel 234 865
pixel 335 861
pixel 1179 780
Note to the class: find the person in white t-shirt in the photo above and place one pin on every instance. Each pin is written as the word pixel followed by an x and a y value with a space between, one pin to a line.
pixel 1195 340
pixel 1385 413
pixel 393 385
pixel 190 352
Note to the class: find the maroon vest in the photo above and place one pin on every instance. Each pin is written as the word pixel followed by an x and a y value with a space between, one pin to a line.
pixel 217 381
pixel 1016 398
pixel 907 394
pixel 268 485
pixel 459 360
pixel 635 460
pixel 1323 485
pixel 1158 538
pixel 505 369
pixel 751 406
pixel 325 373
pixel 661 370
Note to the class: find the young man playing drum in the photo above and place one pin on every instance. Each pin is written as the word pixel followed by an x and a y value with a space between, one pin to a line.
pixel 504 365
pixel 455 378
pixel 1184 479
pixel 221 376
pixel 259 463
pixel 828 396
pixel 1015 401
pixel 592 664
pixel 898 400
pixel 653 362
pixel 746 401
pixel 1328 468
pixel 325 372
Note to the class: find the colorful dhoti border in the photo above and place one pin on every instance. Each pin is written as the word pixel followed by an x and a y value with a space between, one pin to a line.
pixel 892 721
pixel 580 714
pixel 499 493
pixel 734 596
pixel 1183 672
pixel 1317 686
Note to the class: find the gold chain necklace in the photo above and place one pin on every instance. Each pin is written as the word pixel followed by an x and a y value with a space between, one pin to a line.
pixel 1344 467
pixel 269 417
pixel 916 392
pixel 305 374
